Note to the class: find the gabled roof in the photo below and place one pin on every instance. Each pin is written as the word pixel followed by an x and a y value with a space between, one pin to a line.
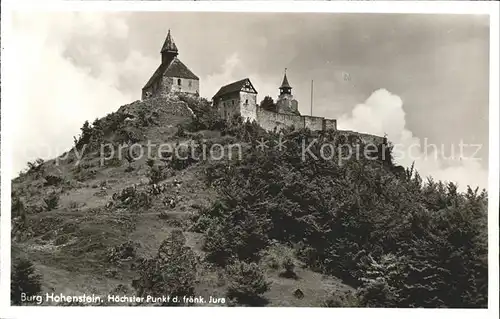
pixel 234 87
pixel 174 69
pixel 169 44
pixel 285 84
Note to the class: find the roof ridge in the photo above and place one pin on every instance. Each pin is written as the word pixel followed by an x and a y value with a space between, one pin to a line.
pixel 233 87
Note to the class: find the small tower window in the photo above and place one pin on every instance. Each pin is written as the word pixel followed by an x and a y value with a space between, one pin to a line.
pixel 178 81
pixel 246 101
pixel 232 102
pixel 190 83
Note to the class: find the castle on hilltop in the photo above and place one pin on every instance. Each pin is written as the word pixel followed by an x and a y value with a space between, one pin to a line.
pixel 172 75
pixel 237 98
pixel 240 98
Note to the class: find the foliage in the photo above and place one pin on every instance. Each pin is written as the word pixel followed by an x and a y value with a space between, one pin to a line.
pixel 342 300
pixel 36 167
pixel 268 104
pixel 183 157
pixel 205 116
pixel 125 250
pixel 52 180
pixel 240 233
pixel 400 241
pixel 111 128
pixel 156 174
pixel 132 198
pixel 281 258
pixel 24 279
pixel 51 201
pixel 172 272
pixel 246 283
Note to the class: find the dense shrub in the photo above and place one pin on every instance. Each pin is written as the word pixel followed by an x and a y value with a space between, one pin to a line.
pixel 281 258
pixel 52 180
pixel 183 157
pixel 157 174
pixel 126 250
pixel 268 104
pixel 240 233
pixel 51 201
pixel 246 283
pixel 401 241
pixel 36 168
pixel 133 198
pixel 172 272
pixel 205 117
pixel 24 279
pixel 342 300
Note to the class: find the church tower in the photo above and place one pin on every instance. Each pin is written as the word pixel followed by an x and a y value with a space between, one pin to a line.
pixel 172 75
pixel 285 88
pixel 286 103
pixel 169 50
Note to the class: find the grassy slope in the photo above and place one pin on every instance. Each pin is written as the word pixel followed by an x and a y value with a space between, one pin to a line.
pixel 68 244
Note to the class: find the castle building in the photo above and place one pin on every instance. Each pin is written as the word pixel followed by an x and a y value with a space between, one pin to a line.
pixel 286 103
pixel 239 98
pixel 172 75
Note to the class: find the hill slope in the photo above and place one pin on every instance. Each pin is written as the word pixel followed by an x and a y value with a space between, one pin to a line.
pixel 270 224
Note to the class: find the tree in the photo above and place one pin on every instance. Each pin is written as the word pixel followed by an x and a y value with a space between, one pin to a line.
pixel 171 273
pixel 247 283
pixel 268 104
pixel 24 279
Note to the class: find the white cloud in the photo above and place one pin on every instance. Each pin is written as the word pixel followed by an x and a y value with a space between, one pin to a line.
pixel 382 113
pixel 53 96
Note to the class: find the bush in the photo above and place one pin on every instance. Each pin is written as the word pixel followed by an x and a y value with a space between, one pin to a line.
pixel 246 283
pixel 342 300
pixel 227 239
pixel 150 162
pixel 157 174
pixel 132 198
pixel 126 250
pixel 289 267
pixel 24 279
pixel 52 180
pixel 36 167
pixel 183 158
pixel 205 117
pixel 113 162
pixel 428 241
pixel 171 273
pixel 51 201
pixel 281 258
pixel 83 172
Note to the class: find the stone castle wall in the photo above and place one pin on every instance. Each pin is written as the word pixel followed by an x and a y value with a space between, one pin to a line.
pixel 313 123
pixel 270 120
pixel 330 124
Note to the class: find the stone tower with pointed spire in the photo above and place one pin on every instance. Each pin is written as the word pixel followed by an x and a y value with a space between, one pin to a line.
pixel 286 103
pixel 172 75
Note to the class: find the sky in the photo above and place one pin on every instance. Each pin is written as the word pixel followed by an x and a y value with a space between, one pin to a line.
pixel 421 79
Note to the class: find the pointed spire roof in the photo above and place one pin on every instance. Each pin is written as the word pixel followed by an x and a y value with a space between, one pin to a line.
pixel 285 84
pixel 169 45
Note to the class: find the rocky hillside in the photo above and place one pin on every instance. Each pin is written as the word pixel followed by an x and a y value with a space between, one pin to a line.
pixel 246 225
